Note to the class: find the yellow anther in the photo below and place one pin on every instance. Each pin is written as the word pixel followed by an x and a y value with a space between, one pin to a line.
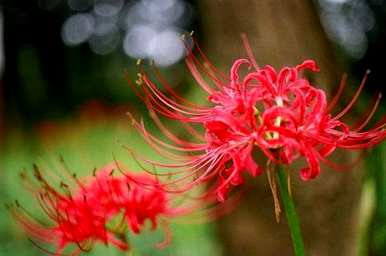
pixel 139 81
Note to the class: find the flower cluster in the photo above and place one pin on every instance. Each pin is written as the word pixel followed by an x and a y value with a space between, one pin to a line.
pixel 279 113
pixel 250 110
pixel 88 213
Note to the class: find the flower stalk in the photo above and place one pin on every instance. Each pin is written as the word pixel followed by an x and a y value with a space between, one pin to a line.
pixel 290 212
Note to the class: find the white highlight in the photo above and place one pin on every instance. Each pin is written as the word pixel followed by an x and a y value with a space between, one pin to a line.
pixel 347 22
pixel 166 48
pixel 77 29
pixel 137 41
pixel 151 28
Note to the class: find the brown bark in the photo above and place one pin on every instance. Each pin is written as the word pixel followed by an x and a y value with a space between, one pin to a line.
pixel 283 32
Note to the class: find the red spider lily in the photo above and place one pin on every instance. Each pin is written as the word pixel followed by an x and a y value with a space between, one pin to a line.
pixel 83 215
pixel 278 113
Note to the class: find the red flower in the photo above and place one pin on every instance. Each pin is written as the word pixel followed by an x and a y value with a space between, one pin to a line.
pixel 297 122
pixel 278 113
pixel 82 216
pixel 140 197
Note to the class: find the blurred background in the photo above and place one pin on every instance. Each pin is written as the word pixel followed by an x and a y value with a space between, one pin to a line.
pixel 63 92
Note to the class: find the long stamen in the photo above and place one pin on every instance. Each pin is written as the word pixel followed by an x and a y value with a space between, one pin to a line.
pixel 371 114
pixel 353 100
pixel 249 51
pixel 338 94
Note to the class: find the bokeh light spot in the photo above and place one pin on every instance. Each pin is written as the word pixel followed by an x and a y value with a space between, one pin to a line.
pixel 166 48
pixel 77 29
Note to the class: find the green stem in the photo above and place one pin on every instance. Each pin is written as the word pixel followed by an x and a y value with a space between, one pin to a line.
pixel 290 212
